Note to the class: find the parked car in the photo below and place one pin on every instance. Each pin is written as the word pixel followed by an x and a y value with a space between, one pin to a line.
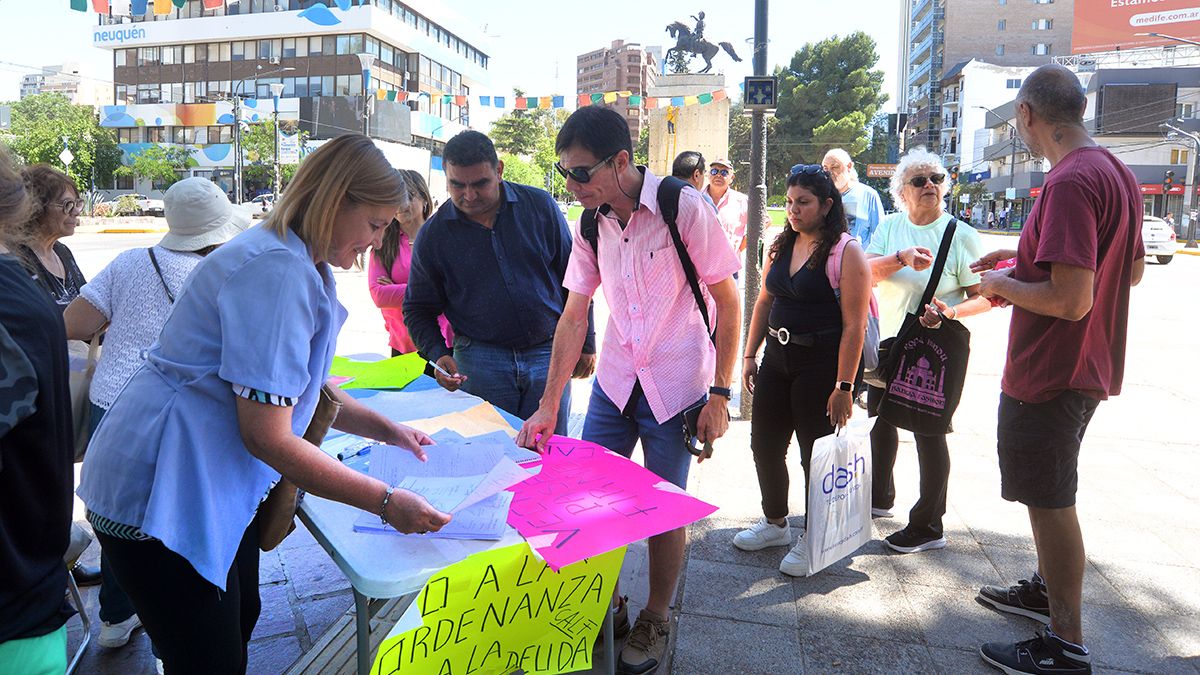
pixel 145 205
pixel 1159 239
pixel 265 202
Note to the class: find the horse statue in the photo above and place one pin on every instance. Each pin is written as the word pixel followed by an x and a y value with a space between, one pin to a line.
pixel 686 42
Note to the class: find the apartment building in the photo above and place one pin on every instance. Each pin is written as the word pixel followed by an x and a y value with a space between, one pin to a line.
pixel 66 79
pixel 620 67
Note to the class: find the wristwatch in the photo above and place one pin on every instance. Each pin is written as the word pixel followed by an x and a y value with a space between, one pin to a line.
pixel 721 391
pixel 845 386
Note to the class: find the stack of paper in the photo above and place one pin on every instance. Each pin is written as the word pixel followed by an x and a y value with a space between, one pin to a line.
pixel 467 481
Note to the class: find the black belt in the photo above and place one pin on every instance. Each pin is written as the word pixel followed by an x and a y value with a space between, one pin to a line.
pixel 786 337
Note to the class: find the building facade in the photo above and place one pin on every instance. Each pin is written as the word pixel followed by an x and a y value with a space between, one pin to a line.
pixel 938 34
pixel 622 67
pixel 969 91
pixel 176 74
pixel 66 79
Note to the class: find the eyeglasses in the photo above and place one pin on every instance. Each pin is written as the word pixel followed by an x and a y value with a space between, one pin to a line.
pixel 920 181
pixel 719 172
pixel 580 174
pixel 809 169
pixel 69 205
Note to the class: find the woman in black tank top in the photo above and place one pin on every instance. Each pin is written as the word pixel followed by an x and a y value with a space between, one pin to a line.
pixel 814 343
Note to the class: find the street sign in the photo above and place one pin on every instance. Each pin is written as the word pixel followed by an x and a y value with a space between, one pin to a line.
pixel 880 170
pixel 965 199
pixel 760 93
pixel 66 157
pixel 1010 193
pixel 981 175
pixel 289 148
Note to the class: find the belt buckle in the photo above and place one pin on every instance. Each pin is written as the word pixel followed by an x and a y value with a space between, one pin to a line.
pixel 783 336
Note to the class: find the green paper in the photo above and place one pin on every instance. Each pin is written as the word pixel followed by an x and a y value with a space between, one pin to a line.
pixel 704 98
pixel 394 373
pixel 179 3
pixel 597 98
pixel 635 100
pixel 79 5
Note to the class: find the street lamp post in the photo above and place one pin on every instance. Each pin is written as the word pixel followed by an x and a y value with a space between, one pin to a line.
pixel 366 61
pixel 1189 184
pixel 238 188
pixel 276 90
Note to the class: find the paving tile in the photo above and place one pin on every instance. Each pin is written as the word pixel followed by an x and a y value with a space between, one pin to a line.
pixel 270 568
pixel 319 614
pixel 312 572
pixel 832 652
pixel 960 661
pixel 274 655
pixel 712 540
pixel 299 538
pixel 1015 564
pixel 707 645
pixel 743 593
pixel 963 565
pixel 1125 640
pixel 1182 635
pixel 1128 541
pixel 953 619
pixel 847 606
pixel 1155 589
pixel 276 617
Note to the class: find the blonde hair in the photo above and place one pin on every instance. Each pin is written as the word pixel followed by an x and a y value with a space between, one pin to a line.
pixel 347 171
pixel 15 205
pixel 917 158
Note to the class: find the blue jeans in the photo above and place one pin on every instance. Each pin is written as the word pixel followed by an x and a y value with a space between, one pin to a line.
pixel 510 379
pixel 115 606
pixel 663 445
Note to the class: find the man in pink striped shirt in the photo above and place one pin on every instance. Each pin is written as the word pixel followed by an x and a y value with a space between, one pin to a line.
pixel 658 359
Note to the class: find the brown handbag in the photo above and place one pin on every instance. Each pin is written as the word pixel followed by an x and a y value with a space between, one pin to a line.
pixel 277 515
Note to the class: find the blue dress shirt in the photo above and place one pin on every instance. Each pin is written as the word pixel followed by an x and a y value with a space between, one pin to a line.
pixel 502 286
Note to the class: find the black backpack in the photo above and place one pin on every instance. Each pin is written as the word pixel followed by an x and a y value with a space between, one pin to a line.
pixel 668 206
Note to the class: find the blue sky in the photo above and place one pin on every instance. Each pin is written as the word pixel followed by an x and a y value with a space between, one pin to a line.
pixel 533 48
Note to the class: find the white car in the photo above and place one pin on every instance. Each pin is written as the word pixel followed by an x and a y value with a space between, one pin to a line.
pixel 146 206
pixel 1159 239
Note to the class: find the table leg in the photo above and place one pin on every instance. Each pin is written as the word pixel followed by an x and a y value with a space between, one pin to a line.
pixel 610 661
pixel 362 620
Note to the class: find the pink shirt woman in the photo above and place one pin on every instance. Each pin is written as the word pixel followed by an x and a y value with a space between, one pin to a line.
pixel 389 266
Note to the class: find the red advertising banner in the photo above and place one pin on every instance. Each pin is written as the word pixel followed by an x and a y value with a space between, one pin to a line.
pixel 1105 25
pixel 1157 189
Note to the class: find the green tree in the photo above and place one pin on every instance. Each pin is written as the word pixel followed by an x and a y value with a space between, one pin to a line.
pixel 828 94
pixel 159 164
pixel 678 62
pixel 518 170
pixel 39 124
pixel 259 145
pixel 517 132
pixel 641 151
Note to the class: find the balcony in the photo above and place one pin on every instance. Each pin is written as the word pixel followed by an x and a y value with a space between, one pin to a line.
pixel 919 73
pixel 920 6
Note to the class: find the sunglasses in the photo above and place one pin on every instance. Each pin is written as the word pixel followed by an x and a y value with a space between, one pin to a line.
pixel 809 169
pixel 920 181
pixel 719 172
pixel 69 205
pixel 579 174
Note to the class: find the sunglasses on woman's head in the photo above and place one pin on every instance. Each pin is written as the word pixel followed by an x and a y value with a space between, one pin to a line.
pixel 809 169
pixel 718 172
pixel 581 174
pixel 920 181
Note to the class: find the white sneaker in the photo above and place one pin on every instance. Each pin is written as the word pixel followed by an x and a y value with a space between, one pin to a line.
pixel 795 563
pixel 762 534
pixel 113 635
pixel 881 513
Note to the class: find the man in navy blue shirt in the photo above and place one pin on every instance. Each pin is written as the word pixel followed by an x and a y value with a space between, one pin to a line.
pixel 492 259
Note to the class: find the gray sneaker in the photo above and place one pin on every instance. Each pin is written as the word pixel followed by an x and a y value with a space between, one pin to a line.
pixel 647 644
pixel 1026 598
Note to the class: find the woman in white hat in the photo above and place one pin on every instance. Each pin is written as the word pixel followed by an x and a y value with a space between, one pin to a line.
pixel 133 296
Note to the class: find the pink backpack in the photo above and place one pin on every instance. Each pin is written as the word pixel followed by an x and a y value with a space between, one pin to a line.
pixel 833 270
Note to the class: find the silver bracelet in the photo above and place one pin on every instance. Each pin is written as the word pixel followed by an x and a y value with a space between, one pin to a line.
pixel 383 508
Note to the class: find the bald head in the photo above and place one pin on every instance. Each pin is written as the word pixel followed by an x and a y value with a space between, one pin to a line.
pixel 1054 95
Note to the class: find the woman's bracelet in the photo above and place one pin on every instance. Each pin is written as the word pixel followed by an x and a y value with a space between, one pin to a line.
pixel 383 508
pixel 750 357
pixel 900 260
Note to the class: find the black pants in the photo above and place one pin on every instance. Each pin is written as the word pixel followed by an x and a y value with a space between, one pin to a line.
pixel 791 396
pixel 933 456
pixel 195 627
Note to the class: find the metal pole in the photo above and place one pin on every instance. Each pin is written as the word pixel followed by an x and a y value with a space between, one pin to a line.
pixel 1189 184
pixel 237 150
pixel 758 196
pixel 278 180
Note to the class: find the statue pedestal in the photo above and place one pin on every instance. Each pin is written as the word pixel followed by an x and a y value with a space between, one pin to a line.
pixel 703 128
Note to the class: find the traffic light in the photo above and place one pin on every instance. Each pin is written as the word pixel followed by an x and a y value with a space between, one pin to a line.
pixel 1168 181
pixel 954 174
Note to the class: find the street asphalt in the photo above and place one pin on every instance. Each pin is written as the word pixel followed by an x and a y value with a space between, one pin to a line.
pixel 877 611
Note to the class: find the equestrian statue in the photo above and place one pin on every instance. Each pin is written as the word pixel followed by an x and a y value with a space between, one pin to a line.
pixel 689 41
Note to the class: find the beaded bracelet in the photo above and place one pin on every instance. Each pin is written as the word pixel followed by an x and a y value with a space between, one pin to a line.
pixel 383 508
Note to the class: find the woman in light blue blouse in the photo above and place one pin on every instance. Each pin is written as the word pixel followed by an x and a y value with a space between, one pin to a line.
pixel 178 467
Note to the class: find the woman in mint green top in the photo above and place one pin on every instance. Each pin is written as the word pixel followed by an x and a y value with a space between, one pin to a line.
pixel 180 464
pixel 901 254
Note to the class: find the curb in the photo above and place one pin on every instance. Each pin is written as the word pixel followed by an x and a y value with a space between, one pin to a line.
pixel 1189 251
pixel 133 230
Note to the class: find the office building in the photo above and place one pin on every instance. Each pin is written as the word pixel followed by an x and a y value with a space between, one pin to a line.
pixel 177 75
pixel 940 34
pixel 66 79
pixel 621 67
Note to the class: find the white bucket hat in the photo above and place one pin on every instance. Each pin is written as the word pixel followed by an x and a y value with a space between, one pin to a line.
pixel 199 215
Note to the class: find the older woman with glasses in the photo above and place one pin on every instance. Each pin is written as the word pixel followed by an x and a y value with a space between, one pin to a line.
pixel 55 214
pixel 901 253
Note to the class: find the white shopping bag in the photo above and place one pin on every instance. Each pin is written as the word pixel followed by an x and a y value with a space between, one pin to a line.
pixel 839 494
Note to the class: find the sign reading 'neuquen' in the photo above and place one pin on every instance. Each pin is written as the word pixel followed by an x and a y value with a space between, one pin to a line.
pixel 1105 25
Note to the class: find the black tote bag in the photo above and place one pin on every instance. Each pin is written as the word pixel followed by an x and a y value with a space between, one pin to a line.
pixel 927 367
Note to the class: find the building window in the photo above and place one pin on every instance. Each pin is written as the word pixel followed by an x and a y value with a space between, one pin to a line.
pixel 172 55
pixel 122 182
pixel 147 56
pixel 1185 110
pixel 129 135
pixel 1041 48
pixel 999 50
pixel 1179 156
pixel 1043 24
pixel 1012 83
pixel 156 134
pixel 238 53
pixel 1002 24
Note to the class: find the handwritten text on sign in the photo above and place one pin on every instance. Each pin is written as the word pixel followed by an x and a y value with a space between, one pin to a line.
pixel 503 610
pixel 587 500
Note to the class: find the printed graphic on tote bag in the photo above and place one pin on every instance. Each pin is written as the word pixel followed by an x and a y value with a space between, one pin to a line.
pixel 921 382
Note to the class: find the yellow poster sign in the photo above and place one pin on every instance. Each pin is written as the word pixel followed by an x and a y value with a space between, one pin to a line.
pixel 503 610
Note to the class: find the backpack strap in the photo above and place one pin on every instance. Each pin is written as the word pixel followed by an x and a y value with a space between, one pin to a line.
pixel 590 229
pixel 668 208
pixel 833 263
pixel 154 261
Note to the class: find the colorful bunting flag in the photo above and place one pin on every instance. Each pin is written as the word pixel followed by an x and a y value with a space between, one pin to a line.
pixel 676 100
pixel 100 6
pixel 690 100
pixel 460 100
pixel 558 102
pixel 499 101
pixel 583 99
pixel 720 95
pixel 624 94
pixel 597 99
pixel 705 99
pixel 610 97
pixel 519 103
pixel 485 101
pixel 79 5
pixel 180 3
pixel 447 98
pixel 137 8
pixel 545 101
pixel 634 99
pixel 651 102
pixel 214 4
pixel 163 6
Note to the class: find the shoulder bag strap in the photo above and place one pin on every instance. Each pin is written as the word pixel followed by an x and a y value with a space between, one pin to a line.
pixel 668 206
pixel 939 264
pixel 154 261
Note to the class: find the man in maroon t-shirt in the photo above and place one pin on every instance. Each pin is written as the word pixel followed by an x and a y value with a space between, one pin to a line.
pixel 1079 253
